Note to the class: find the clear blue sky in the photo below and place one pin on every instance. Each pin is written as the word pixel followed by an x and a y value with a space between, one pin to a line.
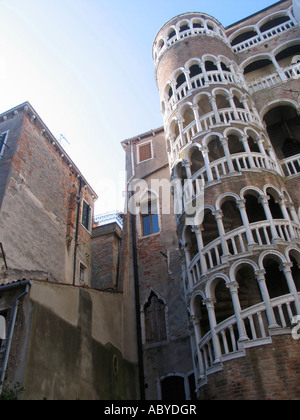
pixel 86 67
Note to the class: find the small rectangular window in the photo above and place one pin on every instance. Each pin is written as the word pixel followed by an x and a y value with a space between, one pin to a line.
pixel 86 215
pixel 144 152
pixel 83 273
pixel 3 331
pixel 3 145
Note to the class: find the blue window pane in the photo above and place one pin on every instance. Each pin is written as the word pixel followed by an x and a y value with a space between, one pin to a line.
pixel 146 225
pixel 155 224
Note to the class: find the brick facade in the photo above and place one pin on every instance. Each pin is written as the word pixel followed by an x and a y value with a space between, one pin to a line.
pixel 267 373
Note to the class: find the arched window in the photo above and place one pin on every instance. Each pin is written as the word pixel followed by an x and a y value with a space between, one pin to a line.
pixel 155 319
pixel 273 204
pixel 180 80
pixel 231 215
pixel 197 161
pixel 275 279
pixel 283 129
pixel 244 37
pixel 215 149
pixel 187 115
pixel 171 34
pixel 254 208
pixel 249 292
pixel 272 23
pixel 223 306
pixel 191 242
pixel 210 232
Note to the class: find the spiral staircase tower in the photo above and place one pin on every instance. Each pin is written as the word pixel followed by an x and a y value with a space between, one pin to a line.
pixel 241 261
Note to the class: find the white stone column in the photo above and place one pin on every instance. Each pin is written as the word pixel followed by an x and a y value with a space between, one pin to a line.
pixel 264 200
pixel 244 140
pixel 218 64
pixel 213 103
pixel 278 68
pixel 224 142
pixel 202 65
pixel 234 287
pixel 282 202
pixel 197 118
pixel 204 151
pixel 210 305
pixel 260 277
pixel 263 151
pixel 294 213
pixel 246 106
pixel 187 77
pixel 198 231
pixel 230 98
pixel 188 262
pixel 241 205
pixel 219 216
pixel 198 337
pixel 286 268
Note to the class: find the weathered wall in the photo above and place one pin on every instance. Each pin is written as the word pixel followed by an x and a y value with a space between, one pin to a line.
pixel 76 347
pixel 159 270
pixel 106 243
pixel 14 127
pixel 38 213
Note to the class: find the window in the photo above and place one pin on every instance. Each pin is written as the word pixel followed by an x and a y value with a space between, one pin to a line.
pixel 83 273
pixel 86 215
pixel 145 152
pixel 3 146
pixel 149 218
pixel 2 328
pixel 155 319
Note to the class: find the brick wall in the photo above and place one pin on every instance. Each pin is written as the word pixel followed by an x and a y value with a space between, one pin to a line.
pixel 105 256
pixel 270 372
pixel 39 209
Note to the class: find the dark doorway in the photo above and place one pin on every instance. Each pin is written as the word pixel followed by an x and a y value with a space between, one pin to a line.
pixel 172 389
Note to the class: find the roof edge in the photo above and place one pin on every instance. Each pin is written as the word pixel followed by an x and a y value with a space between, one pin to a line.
pixel 27 108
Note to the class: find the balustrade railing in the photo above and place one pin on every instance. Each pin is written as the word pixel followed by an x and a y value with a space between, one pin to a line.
pixel 291 166
pixel 237 244
pixel 201 80
pixel 107 218
pixel 256 325
pixel 274 79
pixel 240 161
pixel 207 122
pixel 264 82
pixel 251 42
pixel 184 34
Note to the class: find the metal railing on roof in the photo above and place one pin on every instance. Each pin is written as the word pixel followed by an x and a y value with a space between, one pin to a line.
pixel 107 218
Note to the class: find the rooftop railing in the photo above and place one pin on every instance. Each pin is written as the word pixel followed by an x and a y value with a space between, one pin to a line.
pixel 107 218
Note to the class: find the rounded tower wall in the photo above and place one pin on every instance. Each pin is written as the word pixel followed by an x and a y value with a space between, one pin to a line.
pixel 236 170
pixel 182 53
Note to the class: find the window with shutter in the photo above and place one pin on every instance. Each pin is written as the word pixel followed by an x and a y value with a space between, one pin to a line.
pixel 150 218
pixel 86 215
pixel 144 152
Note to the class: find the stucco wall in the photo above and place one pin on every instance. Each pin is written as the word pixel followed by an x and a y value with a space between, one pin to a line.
pixel 76 348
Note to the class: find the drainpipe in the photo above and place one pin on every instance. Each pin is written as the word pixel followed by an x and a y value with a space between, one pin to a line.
pixel 78 201
pixel 136 287
pixel 8 288
pixel 138 310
